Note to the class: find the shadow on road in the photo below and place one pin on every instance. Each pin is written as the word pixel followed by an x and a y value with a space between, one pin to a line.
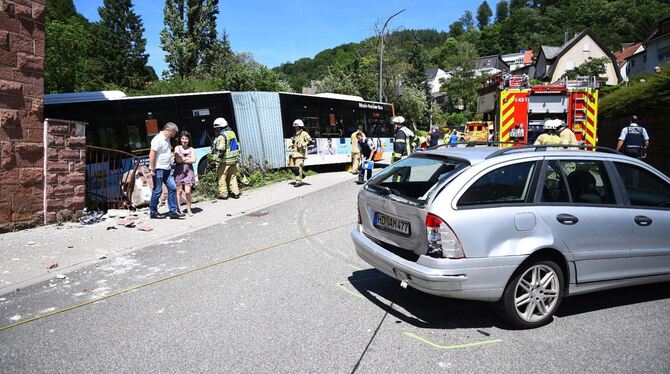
pixel 427 311
pixel 613 298
pixel 420 309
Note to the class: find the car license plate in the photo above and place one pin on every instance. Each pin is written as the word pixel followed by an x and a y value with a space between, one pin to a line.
pixel 392 224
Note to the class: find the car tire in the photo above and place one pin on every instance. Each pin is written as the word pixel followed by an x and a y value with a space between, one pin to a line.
pixel 533 295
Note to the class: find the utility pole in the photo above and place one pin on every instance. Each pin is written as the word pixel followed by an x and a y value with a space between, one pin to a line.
pixel 381 53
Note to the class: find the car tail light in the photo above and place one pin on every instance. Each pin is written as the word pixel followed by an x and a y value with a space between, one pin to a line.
pixel 442 241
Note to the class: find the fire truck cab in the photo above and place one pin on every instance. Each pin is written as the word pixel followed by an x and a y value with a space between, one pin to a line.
pixel 519 109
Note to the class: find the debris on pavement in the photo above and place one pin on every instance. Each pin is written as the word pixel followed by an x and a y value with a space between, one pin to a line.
pixel 117 213
pixel 52 266
pixel 128 222
pixel 60 276
pixel 144 227
pixel 111 228
pixel 92 217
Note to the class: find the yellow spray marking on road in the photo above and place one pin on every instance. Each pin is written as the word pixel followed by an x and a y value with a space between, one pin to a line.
pixel 177 275
pixel 355 267
pixel 342 253
pixel 341 286
pixel 455 346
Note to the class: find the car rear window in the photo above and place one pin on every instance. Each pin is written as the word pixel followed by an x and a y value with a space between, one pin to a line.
pixel 414 176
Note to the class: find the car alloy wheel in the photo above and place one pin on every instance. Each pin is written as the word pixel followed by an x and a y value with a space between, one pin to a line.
pixel 533 295
pixel 536 293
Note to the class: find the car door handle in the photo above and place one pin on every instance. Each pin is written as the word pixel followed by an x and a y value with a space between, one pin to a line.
pixel 567 219
pixel 643 221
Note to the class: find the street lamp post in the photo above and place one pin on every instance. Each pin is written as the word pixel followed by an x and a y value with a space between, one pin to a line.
pixel 381 53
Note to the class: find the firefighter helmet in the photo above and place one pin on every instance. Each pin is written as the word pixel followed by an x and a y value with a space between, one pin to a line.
pixel 398 119
pixel 551 124
pixel 298 123
pixel 220 123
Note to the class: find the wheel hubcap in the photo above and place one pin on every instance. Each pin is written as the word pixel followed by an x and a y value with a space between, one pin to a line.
pixel 536 293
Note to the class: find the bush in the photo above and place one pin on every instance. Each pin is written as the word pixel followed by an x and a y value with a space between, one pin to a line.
pixel 250 174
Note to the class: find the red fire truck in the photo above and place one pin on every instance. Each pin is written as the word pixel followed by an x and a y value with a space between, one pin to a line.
pixel 519 109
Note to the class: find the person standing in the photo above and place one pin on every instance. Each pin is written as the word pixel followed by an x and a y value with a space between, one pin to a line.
pixel 549 136
pixel 355 152
pixel 453 139
pixel 298 148
pixel 434 137
pixel 634 140
pixel 367 148
pixel 404 138
pixel 227 150
pixel 160 169
pixel 184 156
pixel 567 136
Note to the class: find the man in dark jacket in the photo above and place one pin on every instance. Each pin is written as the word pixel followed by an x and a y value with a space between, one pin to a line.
pixel 367 148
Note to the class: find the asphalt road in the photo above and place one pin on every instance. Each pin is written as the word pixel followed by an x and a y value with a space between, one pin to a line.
pixel 282 290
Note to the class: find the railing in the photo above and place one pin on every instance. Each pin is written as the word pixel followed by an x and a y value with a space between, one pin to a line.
pixel 110 178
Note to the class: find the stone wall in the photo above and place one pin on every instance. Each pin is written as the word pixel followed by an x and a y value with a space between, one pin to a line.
pixel 21 113
pixel 66 167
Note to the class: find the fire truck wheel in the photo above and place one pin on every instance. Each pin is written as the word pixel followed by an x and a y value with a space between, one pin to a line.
pixel 532 295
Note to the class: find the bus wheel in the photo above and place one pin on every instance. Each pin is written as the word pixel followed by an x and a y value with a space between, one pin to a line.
pixel 202 166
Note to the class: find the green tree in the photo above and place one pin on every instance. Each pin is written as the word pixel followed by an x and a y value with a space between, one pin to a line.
pixel 502 11
pixel 515 4
pixel 467 20
pixel 456 29
pixel 412 105
pixel 484 14
pixel 490 40
pixel 338 80
pixel 592 67
pixel 189 38
pixel 122 44
pixel 69 63
pixel 462 87
pixel 60 10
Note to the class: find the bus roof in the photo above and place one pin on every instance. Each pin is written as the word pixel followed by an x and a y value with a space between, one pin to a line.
pixel 81 97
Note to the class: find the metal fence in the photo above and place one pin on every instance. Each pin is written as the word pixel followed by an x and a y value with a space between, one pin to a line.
pixel 110 178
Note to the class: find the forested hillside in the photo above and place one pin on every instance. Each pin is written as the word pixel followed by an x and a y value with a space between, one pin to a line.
pixel 510 26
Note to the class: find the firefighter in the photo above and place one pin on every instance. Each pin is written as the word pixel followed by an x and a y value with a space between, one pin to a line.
pixel 226 154
pixel 567 136
pixel 549 136
pixel 634 140
pixel 298 148
pixel 355 152
pixel 404 139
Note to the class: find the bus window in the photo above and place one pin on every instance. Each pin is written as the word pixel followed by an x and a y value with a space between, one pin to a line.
pixel 136 115
pixel 198 113
pixel 105 128
pixel 328 121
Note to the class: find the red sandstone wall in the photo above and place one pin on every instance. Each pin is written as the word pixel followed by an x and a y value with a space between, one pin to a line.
pixel 21 112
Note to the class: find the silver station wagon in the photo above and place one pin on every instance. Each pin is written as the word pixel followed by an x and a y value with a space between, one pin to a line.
pixel 521 227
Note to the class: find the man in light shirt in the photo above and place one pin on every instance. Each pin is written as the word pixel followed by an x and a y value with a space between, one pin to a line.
pixel 160 165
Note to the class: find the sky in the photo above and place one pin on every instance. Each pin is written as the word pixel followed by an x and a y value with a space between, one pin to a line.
pixel 285 31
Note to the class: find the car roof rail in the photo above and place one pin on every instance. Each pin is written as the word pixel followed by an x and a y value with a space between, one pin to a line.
pixel 544 147
pixel 467 145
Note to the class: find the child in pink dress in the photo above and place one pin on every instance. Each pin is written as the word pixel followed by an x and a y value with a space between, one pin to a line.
pixel 184 156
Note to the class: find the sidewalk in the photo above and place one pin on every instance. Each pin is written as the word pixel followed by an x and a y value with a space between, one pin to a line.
pixel 34 255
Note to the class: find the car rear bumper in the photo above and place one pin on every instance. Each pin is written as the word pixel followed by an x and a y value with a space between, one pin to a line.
pixel 481 279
